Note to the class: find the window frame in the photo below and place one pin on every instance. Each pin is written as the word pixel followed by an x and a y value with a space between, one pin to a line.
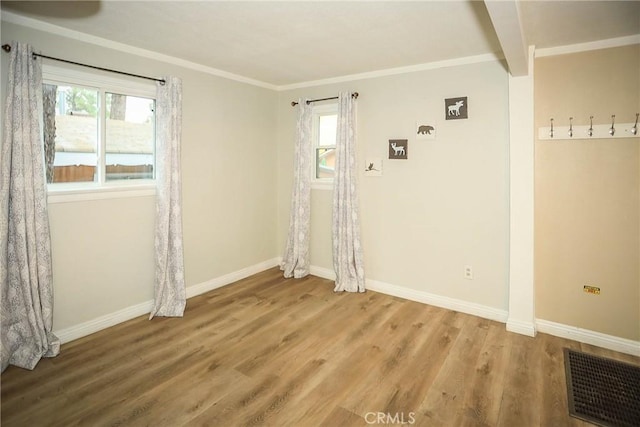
pixel 103 189
pixel 317 112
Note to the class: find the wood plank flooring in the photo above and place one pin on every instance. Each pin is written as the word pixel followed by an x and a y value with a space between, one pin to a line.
pixel 271 351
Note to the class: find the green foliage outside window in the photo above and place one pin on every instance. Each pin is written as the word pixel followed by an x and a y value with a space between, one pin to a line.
pixel 82 101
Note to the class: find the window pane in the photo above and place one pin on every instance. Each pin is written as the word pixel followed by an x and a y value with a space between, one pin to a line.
pixel 130 137
pixel 325 162
pixel 71 121
pixel 327 130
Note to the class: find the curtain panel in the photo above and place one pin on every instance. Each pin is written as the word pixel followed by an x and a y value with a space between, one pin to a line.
pixel 295 262
pixel 169 288
pixel 347 248
pixel 25 241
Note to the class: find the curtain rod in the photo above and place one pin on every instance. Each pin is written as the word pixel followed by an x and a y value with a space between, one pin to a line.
pixel 294 103
pixel 7 48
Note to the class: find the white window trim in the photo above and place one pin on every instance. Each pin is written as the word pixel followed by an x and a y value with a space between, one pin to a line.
pixel 319 110
pixel 54 74
pixel 70 192
pixel 80 191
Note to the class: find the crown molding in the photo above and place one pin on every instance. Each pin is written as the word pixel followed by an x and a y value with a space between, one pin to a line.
pixel 584 47
pixel 122 47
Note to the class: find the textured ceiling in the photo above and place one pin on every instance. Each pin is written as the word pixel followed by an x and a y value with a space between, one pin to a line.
pixel 283 43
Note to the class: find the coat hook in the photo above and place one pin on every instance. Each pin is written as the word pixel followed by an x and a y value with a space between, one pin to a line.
pixel 571 126
pixel 590 130
pixel 551 131
pixel 634 129
pixel 612 129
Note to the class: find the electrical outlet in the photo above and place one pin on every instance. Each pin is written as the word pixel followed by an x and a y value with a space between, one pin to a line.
pixel 468 272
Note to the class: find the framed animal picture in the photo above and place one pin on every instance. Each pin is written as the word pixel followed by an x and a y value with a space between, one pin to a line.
pixel 398 149
pixel 456 108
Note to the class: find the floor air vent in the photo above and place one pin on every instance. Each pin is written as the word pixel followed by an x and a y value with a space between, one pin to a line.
pixel 602 391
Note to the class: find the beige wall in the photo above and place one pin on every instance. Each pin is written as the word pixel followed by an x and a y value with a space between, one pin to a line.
pixel 587 213
pixel 103 249
pixel 443 208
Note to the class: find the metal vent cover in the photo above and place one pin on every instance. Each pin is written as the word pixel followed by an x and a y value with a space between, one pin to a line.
pixel 602 391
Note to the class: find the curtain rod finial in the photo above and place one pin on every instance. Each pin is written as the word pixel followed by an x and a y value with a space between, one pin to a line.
pixel 6 47
pixel 294 103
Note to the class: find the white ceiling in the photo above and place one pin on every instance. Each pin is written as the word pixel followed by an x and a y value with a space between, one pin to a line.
pixel 284 43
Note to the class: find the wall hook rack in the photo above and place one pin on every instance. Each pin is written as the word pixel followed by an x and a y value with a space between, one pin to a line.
pixel 590 130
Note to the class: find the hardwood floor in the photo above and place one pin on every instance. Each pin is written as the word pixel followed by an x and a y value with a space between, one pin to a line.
pixel 270 351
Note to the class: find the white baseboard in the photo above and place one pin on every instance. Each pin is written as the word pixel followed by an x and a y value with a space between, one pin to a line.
pixel 521 327
pixel 439 301
pixel 221 281
pixel 586 336
pixel 423 297
pixel 99 323
pixel 103 322
pixel 325 273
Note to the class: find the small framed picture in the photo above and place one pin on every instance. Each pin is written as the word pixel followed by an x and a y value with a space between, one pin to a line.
pixel 456 108
pixel 398 149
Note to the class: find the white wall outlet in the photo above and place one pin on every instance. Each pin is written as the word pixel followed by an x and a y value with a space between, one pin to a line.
pixel 468 272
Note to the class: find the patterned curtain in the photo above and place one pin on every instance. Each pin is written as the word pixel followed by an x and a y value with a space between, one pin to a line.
pixel 347 249
pixel 170 294
pixel 25 243
pixel 295 262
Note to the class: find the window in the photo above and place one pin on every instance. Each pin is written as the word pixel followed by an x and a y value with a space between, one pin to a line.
pixel 99 132
pixel 325 120
pixel 130 137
